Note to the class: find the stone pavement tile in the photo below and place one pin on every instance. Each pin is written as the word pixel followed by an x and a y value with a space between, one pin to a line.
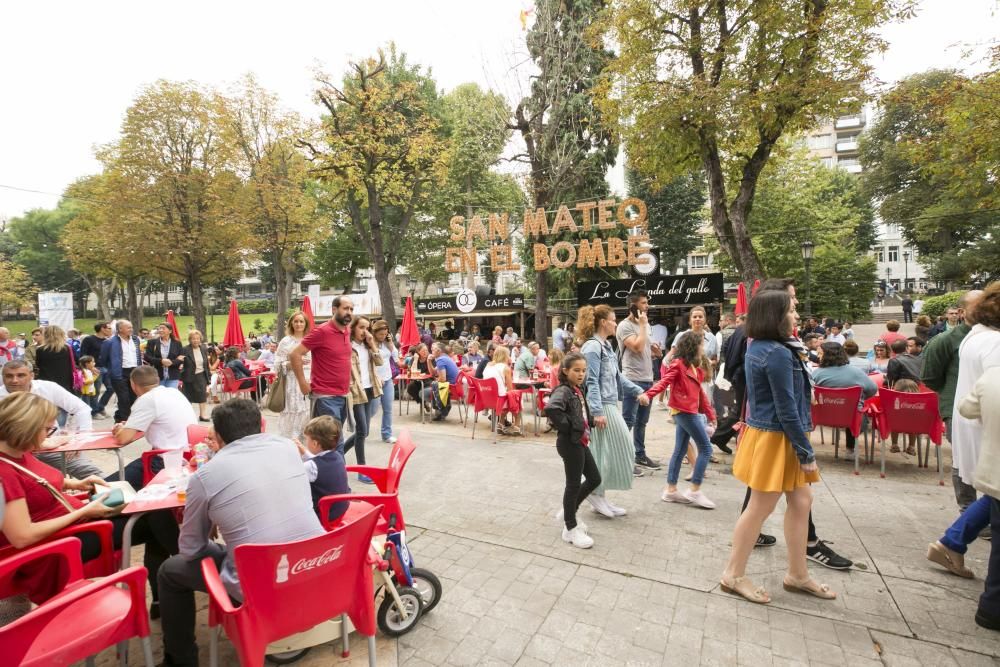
pixel 527 661
pixel 638 656
pixel 787 644
pixel 718 653
pixel 907 651
pixel 752 654
pixel 543 648
pixel 753 631
pixel 583 636
pixel 856 640
pixel 469 652
pixel 823 652
pixel 509 646
pixel 684 637
pixel 651 636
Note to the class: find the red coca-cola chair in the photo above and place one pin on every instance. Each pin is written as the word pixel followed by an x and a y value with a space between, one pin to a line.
pixel 917 413
pixel 289 588
pixel 838 408
pixel 487 398
pixel 105 564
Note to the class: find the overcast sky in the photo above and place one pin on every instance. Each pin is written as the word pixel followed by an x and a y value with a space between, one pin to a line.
pixel 70 69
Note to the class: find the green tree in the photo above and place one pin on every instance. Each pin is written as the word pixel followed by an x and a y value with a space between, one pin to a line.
pixel 568 146
pixel 178 188
pixel 927 163
pixel 715 84
pixel 16 289
pixel 380 145
pixel 800 200
pixel 676 213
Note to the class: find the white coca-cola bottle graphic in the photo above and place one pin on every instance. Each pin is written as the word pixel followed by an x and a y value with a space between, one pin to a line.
pixel 897 403
pixel 282 569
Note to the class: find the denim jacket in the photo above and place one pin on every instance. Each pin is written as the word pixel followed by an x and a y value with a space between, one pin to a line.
pixel 779 394
pixel 605 382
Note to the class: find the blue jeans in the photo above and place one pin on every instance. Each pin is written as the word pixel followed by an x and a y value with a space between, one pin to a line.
pixel 170 383
pixel 967 526
pixel 689 426
pixel 363 413
pixel 636 417
pixel 388 392
pixel 336 407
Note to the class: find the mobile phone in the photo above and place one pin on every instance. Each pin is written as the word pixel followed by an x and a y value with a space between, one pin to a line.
pixel 633 310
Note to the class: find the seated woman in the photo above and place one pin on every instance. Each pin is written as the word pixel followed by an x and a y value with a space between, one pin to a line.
pixel 499 369
pixel 879 363
pixel 421 364
pixel 835 371
pixel 472 356
pixel 239 369
pixel 37 505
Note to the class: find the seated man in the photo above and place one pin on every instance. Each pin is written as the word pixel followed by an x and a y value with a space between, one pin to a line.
pixel 526 360
pixel 17 376
pixel 254 491
pixel 267 356
pixel 161 413
pixel 907 364
pixel 447 375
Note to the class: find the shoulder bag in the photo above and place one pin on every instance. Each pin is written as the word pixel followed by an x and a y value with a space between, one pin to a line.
pixel 56 493
pixel 77 373
pixel 276 393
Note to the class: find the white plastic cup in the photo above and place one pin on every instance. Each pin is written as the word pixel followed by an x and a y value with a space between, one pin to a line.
pixel 173 461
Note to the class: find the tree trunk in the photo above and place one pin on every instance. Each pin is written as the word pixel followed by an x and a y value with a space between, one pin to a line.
pixel 541 309
pixel 197 293
pixel 470 278
pixel 385 292
pixel 284 280
pixel 132 303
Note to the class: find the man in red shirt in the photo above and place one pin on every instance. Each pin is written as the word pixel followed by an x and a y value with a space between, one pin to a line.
pixel 892 334
pixel 330 380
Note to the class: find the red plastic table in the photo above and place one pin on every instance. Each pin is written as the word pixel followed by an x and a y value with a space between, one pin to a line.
pixel 401 381
pixel 86 441
pixel 533 384
pixel 139 507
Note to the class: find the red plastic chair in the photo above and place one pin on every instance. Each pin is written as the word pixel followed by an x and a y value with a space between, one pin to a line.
pixel 104 565
pixel 289 588
pixel 487 398
pixel 838 408
pixel 916 413
pixel 147 461
pixel 197 433
pixel 456 394
pixel 233 387
pixel 85 618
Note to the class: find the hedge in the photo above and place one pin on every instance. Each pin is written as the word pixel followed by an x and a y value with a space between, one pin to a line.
pixel 936 306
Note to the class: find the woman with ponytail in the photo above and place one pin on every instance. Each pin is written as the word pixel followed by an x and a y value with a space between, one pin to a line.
pixel 611 441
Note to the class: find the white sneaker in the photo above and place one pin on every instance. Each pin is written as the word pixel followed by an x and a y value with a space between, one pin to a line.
pixel 674 497
pixel 600 505
pixel 700 499
pixel 391 440
pixel 617 511
pixel 577 538
pixel 560 515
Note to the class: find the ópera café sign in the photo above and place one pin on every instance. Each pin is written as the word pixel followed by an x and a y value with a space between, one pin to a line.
pixel 686 290
pixel 467 301
pixel 582 218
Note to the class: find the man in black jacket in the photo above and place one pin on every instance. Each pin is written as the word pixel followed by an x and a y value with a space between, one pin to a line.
pixel 91 346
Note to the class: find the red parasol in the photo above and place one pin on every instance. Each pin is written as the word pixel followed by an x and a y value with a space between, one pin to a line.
pixel 173 324
pixel 741 299
pixel 234 328
pixel 756 286
pixel 307 310
pixel 409 334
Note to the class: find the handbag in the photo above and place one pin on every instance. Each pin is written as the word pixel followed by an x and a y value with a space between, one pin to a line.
pixel 41 480
pixel 77 373
pixel 276 394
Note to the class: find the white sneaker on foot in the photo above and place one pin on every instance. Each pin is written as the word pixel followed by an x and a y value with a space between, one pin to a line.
pixel 560 515
pixel 700 499
pixel 674 497
pixel 577 538
pixel 600 505
pixel 617 511
pixel 391 440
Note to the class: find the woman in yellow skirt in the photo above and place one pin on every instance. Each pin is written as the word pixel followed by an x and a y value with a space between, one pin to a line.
pixel 774 456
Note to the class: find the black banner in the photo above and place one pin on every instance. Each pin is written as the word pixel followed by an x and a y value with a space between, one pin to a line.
pixel 684 290
pixel 467 302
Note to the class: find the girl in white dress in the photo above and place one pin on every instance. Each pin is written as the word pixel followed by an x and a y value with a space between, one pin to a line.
pixel 296 413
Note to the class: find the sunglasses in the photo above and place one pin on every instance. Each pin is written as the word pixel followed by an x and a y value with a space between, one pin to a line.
pixel 52 431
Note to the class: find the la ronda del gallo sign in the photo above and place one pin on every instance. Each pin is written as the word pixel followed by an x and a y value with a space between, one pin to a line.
pixel 662 290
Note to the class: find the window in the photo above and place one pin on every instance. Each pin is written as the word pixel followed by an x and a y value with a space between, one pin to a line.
pixel 699 262
pixel 880 254
pixel 826 162
pixel 894 253
pixel 820 142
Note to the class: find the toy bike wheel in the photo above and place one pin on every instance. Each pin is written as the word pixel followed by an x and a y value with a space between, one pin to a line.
pixel 429 586
pixel 390 620
pixel 287 657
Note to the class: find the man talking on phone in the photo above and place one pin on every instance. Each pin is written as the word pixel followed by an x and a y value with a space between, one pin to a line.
pixel 635 343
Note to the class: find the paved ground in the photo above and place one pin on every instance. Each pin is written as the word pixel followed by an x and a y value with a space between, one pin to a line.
pixel 482 517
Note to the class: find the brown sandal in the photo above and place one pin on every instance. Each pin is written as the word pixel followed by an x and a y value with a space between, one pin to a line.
pixel 911 451
pixel 744 588
pixel 810 587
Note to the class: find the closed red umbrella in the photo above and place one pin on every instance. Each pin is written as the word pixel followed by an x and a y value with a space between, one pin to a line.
pixel 234 328
pixel 741 299
pixel 756 286
pixel 409 334
pixel 307 310
pixel 173 324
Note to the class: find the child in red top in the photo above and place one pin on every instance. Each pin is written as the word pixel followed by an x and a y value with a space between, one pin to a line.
pixel 687 403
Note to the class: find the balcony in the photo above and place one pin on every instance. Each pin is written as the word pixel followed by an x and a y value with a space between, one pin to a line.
pixel 850 122
pixel 847 145
pixel 852 168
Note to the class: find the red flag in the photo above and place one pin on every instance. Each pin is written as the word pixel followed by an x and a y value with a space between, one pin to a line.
pixel 173 324
pixel 409 334
pixel 234 328
pixel 741 299
pixel 756 286
pixel 308 312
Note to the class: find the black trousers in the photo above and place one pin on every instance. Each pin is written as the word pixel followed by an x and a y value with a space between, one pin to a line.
pixel 126 397
pixel 907 316
pixel 179 579
pixel 577 462
pixel 989 601
pixel 812 527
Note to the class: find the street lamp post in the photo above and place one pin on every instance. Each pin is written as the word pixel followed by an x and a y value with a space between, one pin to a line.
pixel 888 280
pixel 906 270
pixel 808 248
